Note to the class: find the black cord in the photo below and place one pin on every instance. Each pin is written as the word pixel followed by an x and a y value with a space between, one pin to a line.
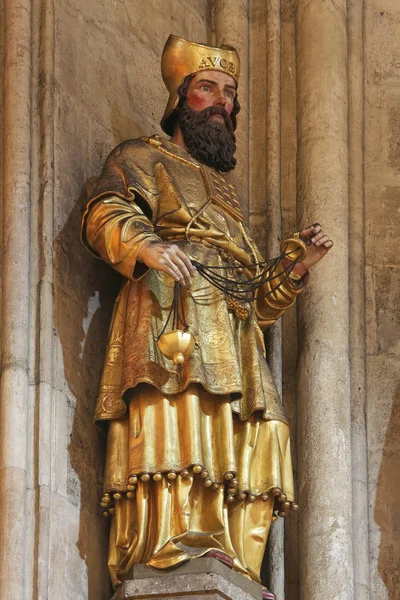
pixel 177 311
pixel 242 290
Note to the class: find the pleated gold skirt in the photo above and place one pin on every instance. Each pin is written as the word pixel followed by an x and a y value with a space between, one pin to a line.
pixel 185 476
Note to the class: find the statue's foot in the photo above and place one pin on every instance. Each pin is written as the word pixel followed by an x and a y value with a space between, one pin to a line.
pixel 221 556
pixel 267 594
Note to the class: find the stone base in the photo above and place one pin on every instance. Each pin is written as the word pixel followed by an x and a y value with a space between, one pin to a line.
pixel 200 579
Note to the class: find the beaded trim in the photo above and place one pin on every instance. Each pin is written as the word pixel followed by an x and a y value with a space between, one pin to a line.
pixel 232 489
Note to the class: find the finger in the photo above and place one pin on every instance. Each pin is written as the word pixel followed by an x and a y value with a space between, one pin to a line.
pixel 305 235
pixel 322 240
pixel 168 266
pixel 307 231
pixel 328 244
pixel 184 257
pixel 172 273
pixel 170 263
pixel 317 237
pixel 181 267
pixel 316 228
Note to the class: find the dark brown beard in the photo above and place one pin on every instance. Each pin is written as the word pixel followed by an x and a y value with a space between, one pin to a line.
pixel 212 143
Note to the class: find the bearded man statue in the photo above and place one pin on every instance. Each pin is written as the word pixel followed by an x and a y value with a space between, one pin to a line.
pixel 198 454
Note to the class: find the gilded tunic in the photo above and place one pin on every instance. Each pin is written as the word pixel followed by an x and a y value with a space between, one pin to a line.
pixel 151 188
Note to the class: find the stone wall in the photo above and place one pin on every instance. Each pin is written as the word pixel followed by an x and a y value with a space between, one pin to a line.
pixel 382 226
pixel 318 139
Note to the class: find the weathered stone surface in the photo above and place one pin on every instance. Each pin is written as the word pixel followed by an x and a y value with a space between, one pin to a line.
pixel 201 578
pixel 382 223
pixel 15 290
pixel 357 301
pixel 325 469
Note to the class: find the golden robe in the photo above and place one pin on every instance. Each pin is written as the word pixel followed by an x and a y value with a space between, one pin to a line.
pixel 198 456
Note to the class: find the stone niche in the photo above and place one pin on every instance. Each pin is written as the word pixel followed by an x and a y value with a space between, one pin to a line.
pixel 318 139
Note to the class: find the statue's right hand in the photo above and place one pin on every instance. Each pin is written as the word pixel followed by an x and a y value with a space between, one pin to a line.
pixel 169 258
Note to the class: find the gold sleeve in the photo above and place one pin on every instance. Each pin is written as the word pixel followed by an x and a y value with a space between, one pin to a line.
pixel 114 230
pixel 270 305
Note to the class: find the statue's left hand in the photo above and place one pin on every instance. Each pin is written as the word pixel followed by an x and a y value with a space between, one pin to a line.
pixel 318 245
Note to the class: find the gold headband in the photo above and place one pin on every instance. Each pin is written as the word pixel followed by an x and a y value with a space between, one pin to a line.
pixel 181 58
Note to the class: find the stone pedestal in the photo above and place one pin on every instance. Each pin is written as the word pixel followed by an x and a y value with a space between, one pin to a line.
pixel 202 579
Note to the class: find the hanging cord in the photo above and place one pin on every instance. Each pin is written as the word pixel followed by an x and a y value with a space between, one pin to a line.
pixel 244 290
pixel 176 312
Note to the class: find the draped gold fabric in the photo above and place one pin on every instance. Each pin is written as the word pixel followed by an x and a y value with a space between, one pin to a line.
pixel 168 522
pixel 198 457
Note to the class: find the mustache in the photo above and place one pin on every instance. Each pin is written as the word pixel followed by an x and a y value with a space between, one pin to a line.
pixel 203 116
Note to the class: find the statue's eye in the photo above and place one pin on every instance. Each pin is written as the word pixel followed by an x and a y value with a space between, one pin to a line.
pixel 206 87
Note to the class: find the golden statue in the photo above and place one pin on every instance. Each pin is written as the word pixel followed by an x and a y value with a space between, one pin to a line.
pixel 198 452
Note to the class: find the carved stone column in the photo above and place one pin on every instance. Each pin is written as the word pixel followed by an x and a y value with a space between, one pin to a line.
pixel 15 296
pixel 325 474
pixel 357 300
pixel 232 27
pixel 273 230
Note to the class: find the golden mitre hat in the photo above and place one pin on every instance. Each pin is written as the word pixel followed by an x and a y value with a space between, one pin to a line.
pixel 181 58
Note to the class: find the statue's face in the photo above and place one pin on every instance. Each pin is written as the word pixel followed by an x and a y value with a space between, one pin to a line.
pixel 212 88
pixel 205 119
